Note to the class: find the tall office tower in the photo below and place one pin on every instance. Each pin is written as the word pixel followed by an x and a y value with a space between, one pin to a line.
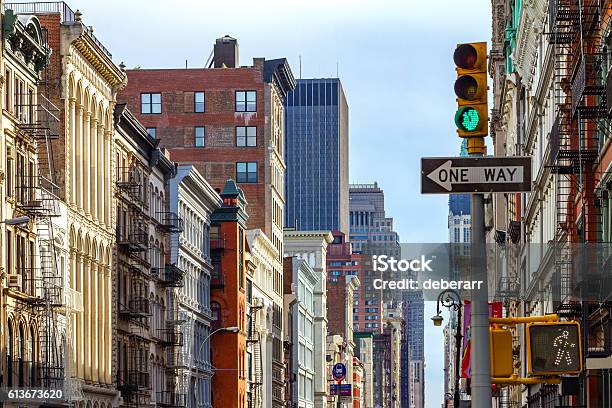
pixel 372 234
pixel 317 190
pixel 413 354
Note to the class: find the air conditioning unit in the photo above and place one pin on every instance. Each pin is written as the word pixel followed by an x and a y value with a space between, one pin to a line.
pixel 10 153
pixel 14 281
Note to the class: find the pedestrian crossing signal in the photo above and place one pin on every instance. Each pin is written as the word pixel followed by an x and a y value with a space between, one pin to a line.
pixel 554 348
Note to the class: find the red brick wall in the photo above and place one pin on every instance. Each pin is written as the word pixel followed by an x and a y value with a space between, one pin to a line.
pixel 336 306
pixel 175 125
pixel 228 349
pixel 53 75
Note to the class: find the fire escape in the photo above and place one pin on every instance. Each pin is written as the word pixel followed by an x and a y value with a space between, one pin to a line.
pixel 254 343
pixel 37 196
pixel 134 308
pixel 170 276
pixel 574 146
pixel 582 114
pixel 172 339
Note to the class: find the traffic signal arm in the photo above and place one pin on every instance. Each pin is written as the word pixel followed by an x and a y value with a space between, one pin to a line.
pixel 510 321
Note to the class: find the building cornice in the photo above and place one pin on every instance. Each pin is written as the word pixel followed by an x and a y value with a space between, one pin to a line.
pixel 324 235
pixel 83 40
pixel 531 26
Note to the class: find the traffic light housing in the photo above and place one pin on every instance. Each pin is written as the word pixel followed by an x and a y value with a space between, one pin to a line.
pixel 472 116
pixel 502 362
pixel 554 348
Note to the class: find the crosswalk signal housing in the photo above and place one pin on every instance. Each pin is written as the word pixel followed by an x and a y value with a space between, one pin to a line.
pixel 554 348
pixel 502 362
pixel 472 116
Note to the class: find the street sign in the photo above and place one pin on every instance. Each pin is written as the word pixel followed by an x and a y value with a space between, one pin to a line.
pixel 344 390
pixel 339 372
pixel 448 175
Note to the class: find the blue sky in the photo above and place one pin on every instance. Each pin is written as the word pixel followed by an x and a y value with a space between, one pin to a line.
pixel 394 58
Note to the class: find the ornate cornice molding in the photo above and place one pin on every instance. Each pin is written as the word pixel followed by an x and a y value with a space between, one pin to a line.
pixel 531 26
pixel 104 65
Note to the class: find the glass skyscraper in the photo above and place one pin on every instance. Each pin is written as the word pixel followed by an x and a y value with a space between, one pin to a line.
pixel 316 154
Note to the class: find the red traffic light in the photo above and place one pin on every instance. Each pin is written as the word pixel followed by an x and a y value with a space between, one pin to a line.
pixel 465 56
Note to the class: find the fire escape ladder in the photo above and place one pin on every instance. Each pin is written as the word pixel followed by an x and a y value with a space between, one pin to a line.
pixel 254 342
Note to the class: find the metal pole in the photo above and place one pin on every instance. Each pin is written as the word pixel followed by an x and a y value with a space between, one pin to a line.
pixel 458 338
pixel 480 359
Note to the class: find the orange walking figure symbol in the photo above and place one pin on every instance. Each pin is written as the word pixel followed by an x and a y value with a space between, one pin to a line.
pixel 562 345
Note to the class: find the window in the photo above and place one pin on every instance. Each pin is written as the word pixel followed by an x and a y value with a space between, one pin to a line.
pixel 200 135
pixel 246 172
pixel 246 101
pixel 150 103
pixel 246 136
pixel 152 132
pixel 199 102
pixel 7 90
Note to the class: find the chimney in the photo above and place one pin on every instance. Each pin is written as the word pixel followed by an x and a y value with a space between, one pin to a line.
pixel 226 52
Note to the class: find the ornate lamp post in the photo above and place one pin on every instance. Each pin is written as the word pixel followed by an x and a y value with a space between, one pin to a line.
pixel 452 300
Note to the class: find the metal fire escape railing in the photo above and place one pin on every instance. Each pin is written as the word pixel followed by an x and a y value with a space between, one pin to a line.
pixel 580 103
pixel 133 377
pixel 254 343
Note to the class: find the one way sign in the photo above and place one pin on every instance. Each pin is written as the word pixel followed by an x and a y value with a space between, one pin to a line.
pixel 447 175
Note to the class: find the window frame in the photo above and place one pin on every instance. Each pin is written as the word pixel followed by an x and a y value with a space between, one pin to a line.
pixel 196 138
pixel 246 136
pixel 246 173
pixel 154 135
pixel 196 103
pixel 246 93
pixel 150 103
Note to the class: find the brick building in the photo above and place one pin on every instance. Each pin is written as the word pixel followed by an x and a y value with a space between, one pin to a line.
pixel 228 298
pixel 227 120
pixel 341 261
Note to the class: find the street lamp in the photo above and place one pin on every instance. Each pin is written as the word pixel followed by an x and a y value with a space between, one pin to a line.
pixel 451 300
pixel 16 221
pixel 230 329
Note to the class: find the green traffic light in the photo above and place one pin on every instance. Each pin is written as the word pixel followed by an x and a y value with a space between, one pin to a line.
pixel 467 119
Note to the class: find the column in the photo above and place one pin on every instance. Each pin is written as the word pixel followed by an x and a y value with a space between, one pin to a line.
pixel 73 322
pixel 93 168
pixel 109 316
pixel 73 149
pixel 81 318
pixel 87 181
pixel 103 336
pixel 95 319
pixel 108 168
pixel 87 308
pixel 79 157
pixel 102 166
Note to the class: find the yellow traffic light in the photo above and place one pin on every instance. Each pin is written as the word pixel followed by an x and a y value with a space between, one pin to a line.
pixel 502 363
pixel 472 117
pixel 554 348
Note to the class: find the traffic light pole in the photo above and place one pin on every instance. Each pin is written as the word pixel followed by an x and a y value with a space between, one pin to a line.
pixel 479 330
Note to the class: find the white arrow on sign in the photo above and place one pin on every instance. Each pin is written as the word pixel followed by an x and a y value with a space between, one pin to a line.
pixel 446 175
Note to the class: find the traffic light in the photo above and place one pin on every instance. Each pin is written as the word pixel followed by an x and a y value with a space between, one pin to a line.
pixel 502 362
pixel 554 348
pixel 472 117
